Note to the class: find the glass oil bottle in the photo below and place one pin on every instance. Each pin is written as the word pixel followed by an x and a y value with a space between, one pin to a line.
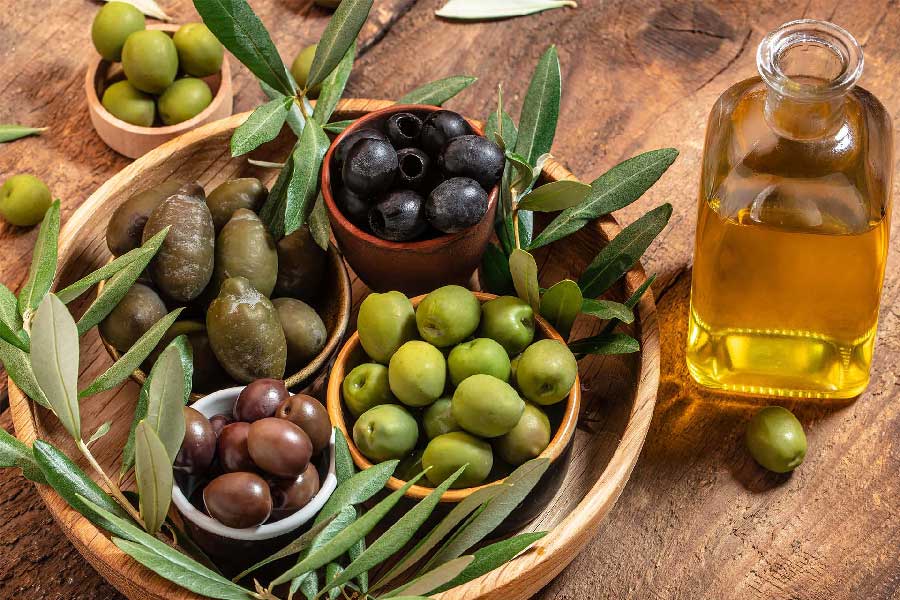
pixel 792 232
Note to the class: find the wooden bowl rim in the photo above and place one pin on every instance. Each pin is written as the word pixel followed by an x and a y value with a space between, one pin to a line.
pixel 516 580
pixel 318 363
pixel 335 213
pixel 97 107
pixel 561 437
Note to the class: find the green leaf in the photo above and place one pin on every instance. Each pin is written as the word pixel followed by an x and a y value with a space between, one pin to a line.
pixel 540 109
pixel 11 337
pixel 304 183
pixel 556 195
pixel 245 36
pixel 263 125
pixel 339 35
pixel 561 304
pixel 186 356
pixel 148 249
pixel 332 572
pixel 272 212
pixel 346 538
pixel 433 579
pixel 607 309
pixel 298 545
pixel 14 453
pixel 337 127
pixel 165 409
pixel 623 251
pixel 525 277
pixel 295 118
pixel 479 10
pixel 345 517
pixel 153 473
pixel 344 470
pixel 319 225
pixel 517 486
pixel 358 488
pixel 615 189
pixel 438 92
pixel 9 133
pixel 99 433
pixel 397 535
pixel 495 271
pixel 605 343
pixel 491 557
pixel 43 262
pixel 18 366
pixel 54 359
pixel 131 360
pixel 9 311
pixel 521 174
pixel 638 293
pixel 333 87
pixel 500 125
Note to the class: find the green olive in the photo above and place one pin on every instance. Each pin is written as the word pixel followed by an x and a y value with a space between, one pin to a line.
pixel 150 60
pixel 776 439
pixel 111 27
pixel 199 52
pixel 125 102
pixel 24 199
pixel 300 69
pixel 183 100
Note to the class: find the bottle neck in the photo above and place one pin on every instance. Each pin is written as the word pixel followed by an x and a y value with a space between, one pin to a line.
pixel 803 120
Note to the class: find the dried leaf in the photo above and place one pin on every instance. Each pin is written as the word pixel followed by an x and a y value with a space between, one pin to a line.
pixel 556 195
pixel 263 125
pixel 561 304
pixel 339 35
pixel 9 133
pixel 43 262
pixel 153 473
pixel 437 92
pixel 54 359
pixel 525 277
pixel 479 10
pixel 540 109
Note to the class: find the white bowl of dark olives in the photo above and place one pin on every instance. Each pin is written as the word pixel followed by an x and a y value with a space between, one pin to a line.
pixel 257 464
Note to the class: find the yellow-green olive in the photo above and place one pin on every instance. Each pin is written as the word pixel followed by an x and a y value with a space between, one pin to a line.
pixel 150 60
pixel 183 100
pixel 24 199
pixel 776 439
pixel 199 52
pixel 300 69
pixel 111 27
pixel 125 102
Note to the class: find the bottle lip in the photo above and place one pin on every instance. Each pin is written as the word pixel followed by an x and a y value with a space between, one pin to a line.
pixel 809 32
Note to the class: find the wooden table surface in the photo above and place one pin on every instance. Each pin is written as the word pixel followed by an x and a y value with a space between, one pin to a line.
pixel 698 518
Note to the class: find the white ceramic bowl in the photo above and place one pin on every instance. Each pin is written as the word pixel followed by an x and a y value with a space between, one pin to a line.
pixel 222 402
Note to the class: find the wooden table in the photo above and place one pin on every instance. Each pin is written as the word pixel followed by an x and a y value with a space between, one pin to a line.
pixel 698 518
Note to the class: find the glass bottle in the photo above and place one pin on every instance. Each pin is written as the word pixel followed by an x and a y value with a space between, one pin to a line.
pixel 792 232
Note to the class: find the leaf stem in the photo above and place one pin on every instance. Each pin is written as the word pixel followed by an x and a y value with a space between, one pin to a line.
pixel 515 220
pixel 299 99
pixel 111 487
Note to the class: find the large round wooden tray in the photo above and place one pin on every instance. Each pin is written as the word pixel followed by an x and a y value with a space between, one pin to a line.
pixel 618 400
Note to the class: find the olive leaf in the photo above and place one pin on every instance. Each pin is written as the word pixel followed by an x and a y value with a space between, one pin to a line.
pixel 521 174
pixel 437 92
pixel 148 249
pixel 8 133
pixel 332 572
pixel 14 338
pixel 500 125
pixel 490 557
pixel 607 309
pixel 245 36
pixel 525 277
pixel 272 211
pixel 345 469
pixel 54 359
pixel 478 10
pixel 495 271
pixel 149 8
pixel 333 87
pixel 623 251
pixel 615 189
pixel 153 473
pixel 298 545
pixel 304 182
pixel 556 195
pixel 165 412
pixel 18 366
pixel 263 125
pixel 339 35
pixel 561 304
pixel 295 119
pixel 358 488
pixel 319 224
pixel 432 579
pixel 99 433
pixel 638 293
pixel 540 109
pixel 605 343
pixel 14 453
pixel 337 127
pixel 43 262
pixel 9 312
pixel 339 521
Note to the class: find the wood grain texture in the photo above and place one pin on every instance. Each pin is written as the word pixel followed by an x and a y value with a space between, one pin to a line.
pixel 698 518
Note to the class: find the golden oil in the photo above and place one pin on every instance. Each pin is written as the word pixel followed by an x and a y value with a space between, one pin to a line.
pixel 793 224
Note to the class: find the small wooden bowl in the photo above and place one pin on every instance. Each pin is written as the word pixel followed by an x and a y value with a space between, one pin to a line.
pixel 411 267
pixel 352 355
pixel 133 140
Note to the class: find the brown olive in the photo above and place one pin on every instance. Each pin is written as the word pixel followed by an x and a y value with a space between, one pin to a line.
pixel 232 448
pixel 279 447
pixel 307 413
pixel 198 448
pixel 301 266
pixel 238 500
pixel 259 400
pixel 290 495
pixel 219 422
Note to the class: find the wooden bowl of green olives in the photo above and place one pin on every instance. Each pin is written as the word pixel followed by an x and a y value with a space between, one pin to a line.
pixel 144 120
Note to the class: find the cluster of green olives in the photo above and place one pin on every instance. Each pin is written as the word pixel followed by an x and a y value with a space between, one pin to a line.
pixel 468 375
pixel 24 199
pixel 258 463
pixel 152 61
pixel 220 262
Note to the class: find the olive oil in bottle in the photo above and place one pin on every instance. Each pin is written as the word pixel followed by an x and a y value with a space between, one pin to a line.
pixel 792 232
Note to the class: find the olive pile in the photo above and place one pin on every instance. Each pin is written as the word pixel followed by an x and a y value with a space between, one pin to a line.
pixel 220 262
pixel 152 61
pixel 470 375
pixel 415 177
pixel 256 464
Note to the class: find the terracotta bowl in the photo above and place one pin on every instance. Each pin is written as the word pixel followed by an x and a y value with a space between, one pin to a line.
pixel 564 416
pixel 411 267
pixel 133 140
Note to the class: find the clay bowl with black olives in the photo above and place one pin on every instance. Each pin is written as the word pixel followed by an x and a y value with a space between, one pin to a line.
pixel 413 267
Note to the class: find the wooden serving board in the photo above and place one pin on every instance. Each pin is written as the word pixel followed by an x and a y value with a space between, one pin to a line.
pixel 619 392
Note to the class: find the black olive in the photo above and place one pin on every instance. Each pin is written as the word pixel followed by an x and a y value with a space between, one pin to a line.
pixel 340 153
pixel 399 216
pixel 456 204
pixel 475 157
pixel 414 168
pixel 370 167
pixel 403 129
pixel 439 128
pixel 355 207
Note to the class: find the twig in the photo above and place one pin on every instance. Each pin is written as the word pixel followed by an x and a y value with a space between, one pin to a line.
pixel 111 487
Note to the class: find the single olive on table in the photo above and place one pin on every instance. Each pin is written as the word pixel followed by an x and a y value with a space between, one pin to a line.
pixel 24 199
pixel 776 439
pixel 261 465
pixel 471 407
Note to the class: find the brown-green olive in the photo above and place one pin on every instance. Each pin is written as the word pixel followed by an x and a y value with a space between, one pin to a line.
pixel 279 447
pixel 527 439
pixel 301 266
pixel 259 399
pixel 245 248
pixel 304 331
pixel 309 415
pixel 232 448
pixel 290 495
pixel 239 500
pixel 224 200
pixel 198 448
pixel 126 225
pixel 133 316
pixel 219 422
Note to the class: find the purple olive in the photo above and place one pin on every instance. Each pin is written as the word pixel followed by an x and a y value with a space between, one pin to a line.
pixel 232 447
pixel 279 447
pixel 238 500
pixel 198 448
pixel 219 422
pixel 259 400
pixel 290 495
pixel 309 415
